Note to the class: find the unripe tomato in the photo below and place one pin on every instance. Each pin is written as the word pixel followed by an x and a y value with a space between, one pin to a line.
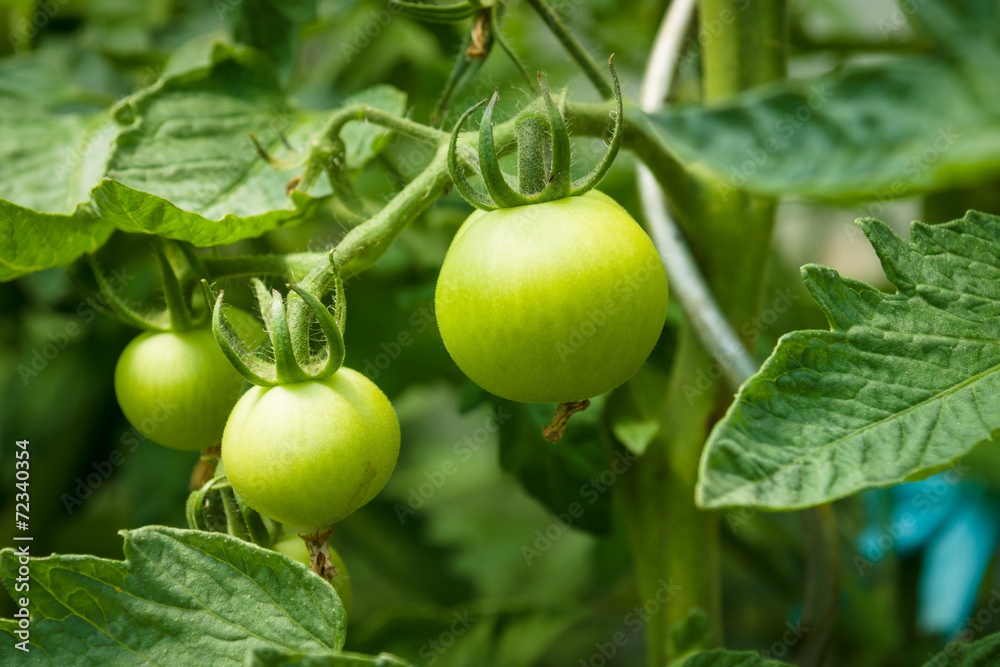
pixel 311 453
pixel 293 547
pixel 177 388
pixel 553 302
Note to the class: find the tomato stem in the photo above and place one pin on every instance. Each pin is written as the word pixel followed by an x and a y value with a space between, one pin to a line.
pixel 320 561
pixel 554 431
pixel 534 152
pixel 237 527
pixel 573 46
pixel 675 544
pixel 177 307
pixel 465 66
pixel 204 469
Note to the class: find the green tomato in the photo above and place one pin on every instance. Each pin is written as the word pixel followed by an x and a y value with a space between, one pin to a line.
pixel 553 302
pixel 293 547
pixel 177 388
pixel 311 453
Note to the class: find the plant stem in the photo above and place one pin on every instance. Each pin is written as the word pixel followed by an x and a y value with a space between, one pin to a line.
pixel 576 50
pixel 365 112
pixel 751 49
pixel 823 581
pixel 293 266
pixel 729 233
pixel 366 243
pixel 237 527
pixel 675 546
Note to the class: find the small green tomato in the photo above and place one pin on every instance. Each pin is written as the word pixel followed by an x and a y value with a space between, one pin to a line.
pixel 311 453
pixel 552 302
pixel 177 388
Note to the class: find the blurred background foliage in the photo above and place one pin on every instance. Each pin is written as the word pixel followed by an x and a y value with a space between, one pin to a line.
pixel 453 533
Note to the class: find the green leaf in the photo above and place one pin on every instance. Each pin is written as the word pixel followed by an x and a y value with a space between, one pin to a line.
pixel 58 74
pixel 184 166
pixel 272 657
pixel 273 27
pixel 633 409
pixel 725 658
pixel 137 212
pixel 982 653
pixel 564 475
pixel 49 162
pixel 902 385
pixel 181 597
pixel 31 241
pixel 967 30
pixel 187 140
pixel 882 131
pixel 690 635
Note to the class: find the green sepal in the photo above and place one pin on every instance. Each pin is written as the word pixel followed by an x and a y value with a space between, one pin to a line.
pixel 559 183
pixel 287 368
pixel 333 332
pixel 246 363
pixel 559 176
pixel 591 180
pixel 500 191
pixel 197 503
pixel 256 528
pixel 288 321
pixel 458 173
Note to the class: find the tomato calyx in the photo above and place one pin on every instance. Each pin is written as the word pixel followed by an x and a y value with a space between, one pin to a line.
pixel 287 322
pixel 543 167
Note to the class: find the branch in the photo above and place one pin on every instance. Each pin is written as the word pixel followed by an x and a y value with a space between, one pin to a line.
pixel 687 283
pixel 572 44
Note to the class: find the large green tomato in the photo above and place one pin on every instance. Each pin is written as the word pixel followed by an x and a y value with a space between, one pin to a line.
pixel 177 388
pixel 311 453
pixel 553 302
pixel 293 547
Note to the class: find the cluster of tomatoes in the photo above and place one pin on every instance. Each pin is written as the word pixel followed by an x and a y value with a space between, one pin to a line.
pixel 554 302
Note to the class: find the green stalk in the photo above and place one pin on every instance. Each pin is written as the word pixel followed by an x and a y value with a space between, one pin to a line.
pixel 365 243
pixel 576 50
pixel 675 546
pixel 234 518
pixel 295 265
pixel 534 153
pixel 823 583
pixel 729 231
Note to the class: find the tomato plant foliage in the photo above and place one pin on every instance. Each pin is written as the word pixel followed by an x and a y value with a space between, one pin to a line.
pixel 174 595
pixel 274 140
pixel 900 386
